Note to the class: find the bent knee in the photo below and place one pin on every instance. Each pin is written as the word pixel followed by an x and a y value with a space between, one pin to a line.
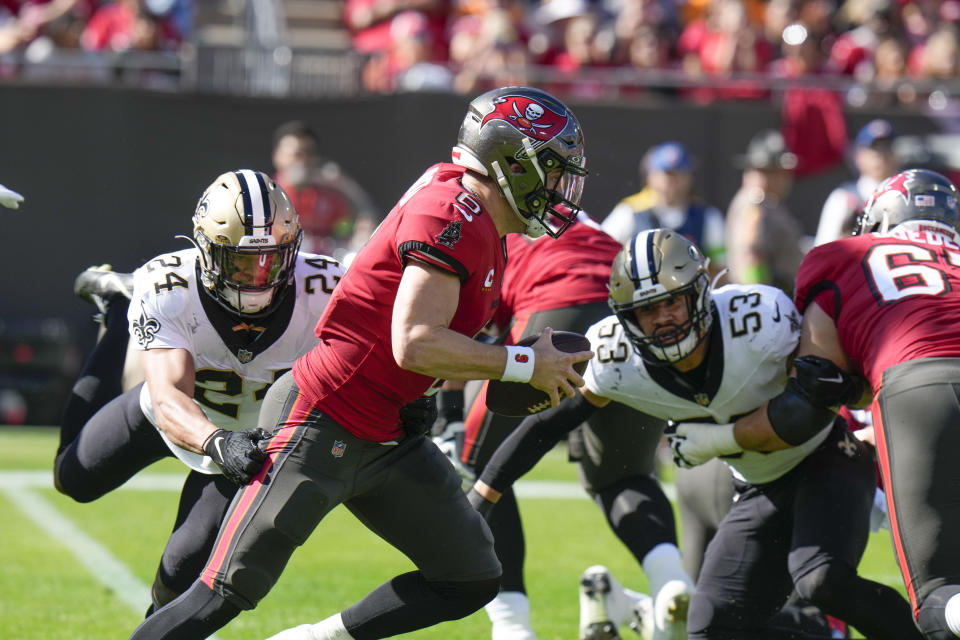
pixel 463 598
pixel 826 584
pixel 74 488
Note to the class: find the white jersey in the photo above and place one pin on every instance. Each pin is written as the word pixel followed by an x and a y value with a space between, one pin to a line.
pixel 755 329
pixel 167 312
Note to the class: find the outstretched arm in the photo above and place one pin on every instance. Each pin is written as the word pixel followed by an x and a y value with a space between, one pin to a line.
pixel 422 341
pixel 821 383
pixel 529 442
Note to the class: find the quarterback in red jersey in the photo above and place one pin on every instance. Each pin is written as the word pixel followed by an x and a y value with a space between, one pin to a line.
pixel 402 318
pixel 884 305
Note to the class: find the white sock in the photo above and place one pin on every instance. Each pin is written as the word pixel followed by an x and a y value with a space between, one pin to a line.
pixel 302 632
pixel 509 614
pixel 952 614
pixel 662 564
pixel 331 629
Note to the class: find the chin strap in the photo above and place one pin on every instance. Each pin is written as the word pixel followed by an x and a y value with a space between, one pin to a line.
pixel 716 278
pixel 533 227
pixel 205 277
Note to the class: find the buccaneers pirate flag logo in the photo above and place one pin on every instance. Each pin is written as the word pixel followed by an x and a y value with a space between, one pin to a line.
pixel 897 184
pixel 528 116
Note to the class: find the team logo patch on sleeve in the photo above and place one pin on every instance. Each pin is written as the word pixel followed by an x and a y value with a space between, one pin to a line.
pixel 450 235
pixel 145 329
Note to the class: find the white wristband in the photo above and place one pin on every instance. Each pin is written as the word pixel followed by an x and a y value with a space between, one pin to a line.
pixel 519 364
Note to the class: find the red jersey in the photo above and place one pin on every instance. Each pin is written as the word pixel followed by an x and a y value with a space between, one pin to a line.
pixel 894 297
pixel 549 273
pixel 351 374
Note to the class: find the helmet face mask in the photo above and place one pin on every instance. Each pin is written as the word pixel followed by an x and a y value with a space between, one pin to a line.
pixel 532 146
pixel 660 268
pixel 248 235
pixel 914 194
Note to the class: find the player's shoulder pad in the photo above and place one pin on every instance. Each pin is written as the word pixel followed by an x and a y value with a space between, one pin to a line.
pixel 164 285
pixel 606 332
pixel 766 313
pixel 612 350
pixel 315 278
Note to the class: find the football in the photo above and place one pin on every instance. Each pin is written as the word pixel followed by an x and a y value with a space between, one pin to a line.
pixel 519 399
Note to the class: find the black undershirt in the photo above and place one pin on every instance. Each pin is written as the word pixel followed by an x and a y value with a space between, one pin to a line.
pixel 247 337
pixel 701 384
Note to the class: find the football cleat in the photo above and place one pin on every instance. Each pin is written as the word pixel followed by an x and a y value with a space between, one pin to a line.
pixel 595 620
pixel 100 285
pixel 670 610
pixel 641 616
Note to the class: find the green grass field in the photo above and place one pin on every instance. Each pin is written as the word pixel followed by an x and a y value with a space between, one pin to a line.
pixel 81 571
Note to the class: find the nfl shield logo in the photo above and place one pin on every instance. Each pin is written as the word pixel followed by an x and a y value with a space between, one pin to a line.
pixel 702 399
pixel 244 356
pixel 339 446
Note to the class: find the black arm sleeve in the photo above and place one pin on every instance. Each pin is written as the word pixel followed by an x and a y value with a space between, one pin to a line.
pixel 532 439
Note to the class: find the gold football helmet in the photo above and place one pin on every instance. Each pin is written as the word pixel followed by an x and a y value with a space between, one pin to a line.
pixel 654 266
pixel 248 234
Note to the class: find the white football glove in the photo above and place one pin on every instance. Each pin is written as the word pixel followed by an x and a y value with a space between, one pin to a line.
pixel 693 443
pixel 10 198
pixel 450 443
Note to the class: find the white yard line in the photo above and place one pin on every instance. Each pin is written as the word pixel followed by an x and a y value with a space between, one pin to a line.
pixel 99 562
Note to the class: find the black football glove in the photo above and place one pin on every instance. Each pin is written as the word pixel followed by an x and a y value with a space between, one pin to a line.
pixel 237 453
pixel 449 409
pixel 826 384
pixel 418 416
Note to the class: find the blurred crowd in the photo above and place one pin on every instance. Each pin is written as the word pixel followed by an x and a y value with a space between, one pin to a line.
pixel 580 47
pixel 879 52
pixel 38 27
